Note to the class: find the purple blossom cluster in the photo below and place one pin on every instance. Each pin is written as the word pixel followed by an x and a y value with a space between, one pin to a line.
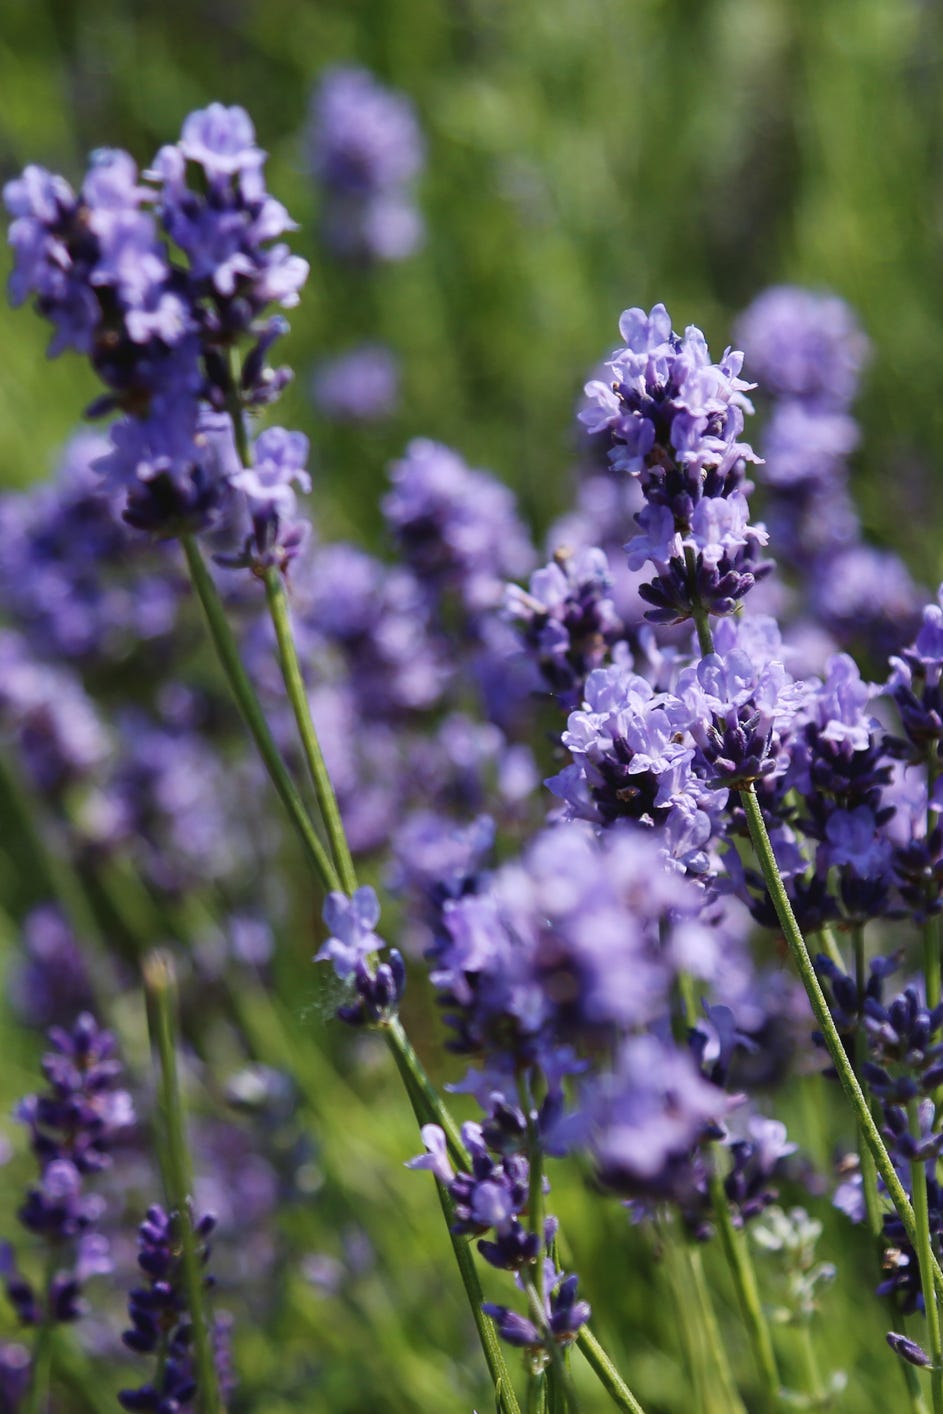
pixel 161 1323
pixel 807 353
pixel 456 528
pixel 378 986
pixel 359 386
pixel 74 1125
pixel 674 420
pixel 77 582
pixel 366 152
pixel 153 278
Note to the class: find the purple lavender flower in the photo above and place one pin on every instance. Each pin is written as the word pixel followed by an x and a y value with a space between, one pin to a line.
pixel 279 463
pixel 738 709
pixel 74 1126
pixel 563 1315
pixel 644 1119
pixel 227 233
pixel 73 578
pixel 804 344
pixel 53 721
pixel 52 978
pixel 674 420
pixel 352 943
pixel 161 1324
pixel 629 759
pixel 458 529
pixel 159 333
pixel 573 942
pixel 567 619
pixel 366 152
pixel 359 386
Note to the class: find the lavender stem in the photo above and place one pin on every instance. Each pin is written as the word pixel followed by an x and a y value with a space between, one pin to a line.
pixel 918 1183
pixel 160 994
pixel 294 684
pixel 846 1075
pixel 744 1278
pixel 248 704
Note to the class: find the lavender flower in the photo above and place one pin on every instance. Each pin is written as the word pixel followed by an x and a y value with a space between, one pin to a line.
pixel 457 528
pixel 674 420
pixel 573 942
pixel 349 949
pixel 158 332
pixel 279 461
pixel 804 344
pixel 74 1126
pixel 161 1324
pixel 366 152
pixel 359 386
pixel 567 619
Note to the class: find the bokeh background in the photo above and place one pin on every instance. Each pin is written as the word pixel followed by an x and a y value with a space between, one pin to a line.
pixel 583 155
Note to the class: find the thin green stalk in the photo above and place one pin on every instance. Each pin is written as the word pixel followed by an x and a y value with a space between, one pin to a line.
pixel 918 1183
pixel 248 704
pixel 705 638
pixel 606 1372
pixel 40 1387
pixel 505 1397
pixel 813 1374
pixel 160 993
pixel 561 1373
pixel 722 1382
pixel 911 1379
pixel 294 684
pixel 869 1178
pixel 744 1279
pixel 836 1051
pixel 831 947
pixel 931 928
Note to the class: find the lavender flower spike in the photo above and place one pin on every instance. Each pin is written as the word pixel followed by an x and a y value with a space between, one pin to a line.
pixel 378 987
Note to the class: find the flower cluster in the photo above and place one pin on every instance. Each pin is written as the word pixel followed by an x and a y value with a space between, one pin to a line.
pixel 161 1323
pixel 352 944
pixel 73 1126
pixel 674 420
pixel 366 152
pixel 153 279
pixel 807 353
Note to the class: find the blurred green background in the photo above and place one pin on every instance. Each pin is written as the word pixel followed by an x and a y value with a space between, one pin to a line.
pixel 584 155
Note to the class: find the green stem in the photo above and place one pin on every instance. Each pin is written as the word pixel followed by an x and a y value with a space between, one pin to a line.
pixel 918 1182
pixel 705 638
pixel 836 1051
pixel 505 1397
pixel 810 1361
pixel 294 683
pixel 744 1279
pixel 931 959
pixel 722 1382
pixel 553 1349
pixel 931 928
pixel 606 1373
pixel 912 1380
pixel 160 994
pixel 248 704
pixel 869 1178
pixel 40 1386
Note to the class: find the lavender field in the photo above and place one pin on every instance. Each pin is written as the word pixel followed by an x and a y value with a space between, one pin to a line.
pixel 471 707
